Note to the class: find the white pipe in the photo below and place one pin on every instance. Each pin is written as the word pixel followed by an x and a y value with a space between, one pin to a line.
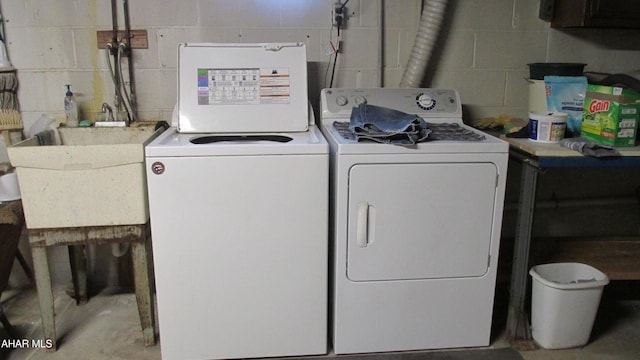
pixel 428 30
pixel 380 60
pixel 119 249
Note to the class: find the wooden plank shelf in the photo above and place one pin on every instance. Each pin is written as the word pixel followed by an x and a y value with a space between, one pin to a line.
pixel 618 257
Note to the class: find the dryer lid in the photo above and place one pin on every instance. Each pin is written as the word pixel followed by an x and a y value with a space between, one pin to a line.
pixel 242 87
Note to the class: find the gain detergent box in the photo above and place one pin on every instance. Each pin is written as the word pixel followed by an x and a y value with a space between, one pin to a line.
pixel 610 115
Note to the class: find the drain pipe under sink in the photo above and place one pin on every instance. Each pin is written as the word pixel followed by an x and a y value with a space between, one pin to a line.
pixel 119 249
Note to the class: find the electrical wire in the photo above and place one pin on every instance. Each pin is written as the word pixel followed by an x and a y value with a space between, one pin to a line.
pixel 335 59
pixel 331 57
pixel 326 71
pixel 343 5
pixel 336 49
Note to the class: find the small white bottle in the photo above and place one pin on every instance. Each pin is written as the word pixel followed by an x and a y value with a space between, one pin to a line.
pixel 70 108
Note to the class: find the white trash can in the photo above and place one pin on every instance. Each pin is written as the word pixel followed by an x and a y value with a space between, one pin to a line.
pixel 564 303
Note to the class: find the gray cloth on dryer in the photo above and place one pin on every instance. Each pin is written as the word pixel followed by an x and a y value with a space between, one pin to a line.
pixel 589 148
pixel 384 125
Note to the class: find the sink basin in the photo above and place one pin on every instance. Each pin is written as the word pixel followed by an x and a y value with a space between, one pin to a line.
pixel 107 136
pixel 96 177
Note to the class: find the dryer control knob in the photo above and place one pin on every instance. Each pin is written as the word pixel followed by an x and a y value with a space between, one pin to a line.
pixel 342 101
pixel 360 100
pixel 425 101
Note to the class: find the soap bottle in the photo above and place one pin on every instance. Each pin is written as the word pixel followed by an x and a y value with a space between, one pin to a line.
pixel 70 108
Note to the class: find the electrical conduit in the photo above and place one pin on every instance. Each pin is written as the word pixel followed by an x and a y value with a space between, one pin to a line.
pixel 428 30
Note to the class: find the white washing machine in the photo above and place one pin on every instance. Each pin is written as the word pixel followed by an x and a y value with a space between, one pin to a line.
pixel 415 230
pixel 239 217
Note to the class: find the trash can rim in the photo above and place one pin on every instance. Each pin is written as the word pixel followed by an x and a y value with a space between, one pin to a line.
pixel 600 281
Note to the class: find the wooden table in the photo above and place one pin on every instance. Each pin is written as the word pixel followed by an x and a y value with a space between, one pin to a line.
pixel 616 256
pixel 535 157
pixel 137 235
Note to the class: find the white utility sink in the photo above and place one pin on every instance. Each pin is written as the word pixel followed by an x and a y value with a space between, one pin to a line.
pixel 95 178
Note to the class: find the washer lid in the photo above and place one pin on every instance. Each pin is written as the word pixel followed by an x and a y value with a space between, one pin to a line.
pixel 242 87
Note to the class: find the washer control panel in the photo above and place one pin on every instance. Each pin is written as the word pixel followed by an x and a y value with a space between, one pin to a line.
pixel 427 102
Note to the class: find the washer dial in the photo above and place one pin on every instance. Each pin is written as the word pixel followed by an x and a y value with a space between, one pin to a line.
pixel 425 101
pixel 342 101
pixel 360 100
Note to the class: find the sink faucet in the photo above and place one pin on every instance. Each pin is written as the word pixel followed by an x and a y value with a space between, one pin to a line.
pixel 106 108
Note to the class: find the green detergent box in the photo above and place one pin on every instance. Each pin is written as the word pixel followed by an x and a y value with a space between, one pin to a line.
pixel 610 115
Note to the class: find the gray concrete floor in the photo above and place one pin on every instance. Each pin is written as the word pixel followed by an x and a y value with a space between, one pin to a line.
pixel 107 327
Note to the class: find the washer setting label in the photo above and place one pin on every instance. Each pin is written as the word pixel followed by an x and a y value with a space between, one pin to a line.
pixel 252 86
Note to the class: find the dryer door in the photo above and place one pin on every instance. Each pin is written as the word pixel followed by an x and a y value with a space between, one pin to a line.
pixel 420 221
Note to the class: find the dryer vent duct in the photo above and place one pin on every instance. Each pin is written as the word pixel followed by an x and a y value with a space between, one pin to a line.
pixel 428 30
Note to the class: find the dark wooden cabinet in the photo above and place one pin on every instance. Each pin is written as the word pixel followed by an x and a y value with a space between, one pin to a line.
pixel 596 13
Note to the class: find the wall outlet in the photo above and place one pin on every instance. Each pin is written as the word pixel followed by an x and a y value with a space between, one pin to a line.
pixel 339 15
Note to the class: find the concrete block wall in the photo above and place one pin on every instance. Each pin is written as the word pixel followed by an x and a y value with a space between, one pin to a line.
pixel 483 51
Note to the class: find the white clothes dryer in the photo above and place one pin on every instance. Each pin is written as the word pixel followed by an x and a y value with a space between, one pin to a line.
pixel 415 230
pixel 239 218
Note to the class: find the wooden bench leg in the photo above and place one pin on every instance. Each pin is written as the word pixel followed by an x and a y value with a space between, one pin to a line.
pixel 144 290
pixel 45 294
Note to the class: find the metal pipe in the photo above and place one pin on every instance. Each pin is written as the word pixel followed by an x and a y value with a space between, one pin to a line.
pixel 113 49
pixel 128 106
pixel 127 27
pixel 114 22
pixel 112 72
pixel 132 93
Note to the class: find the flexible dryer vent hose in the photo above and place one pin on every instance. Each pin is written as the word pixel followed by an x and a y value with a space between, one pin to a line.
pixel 428 30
